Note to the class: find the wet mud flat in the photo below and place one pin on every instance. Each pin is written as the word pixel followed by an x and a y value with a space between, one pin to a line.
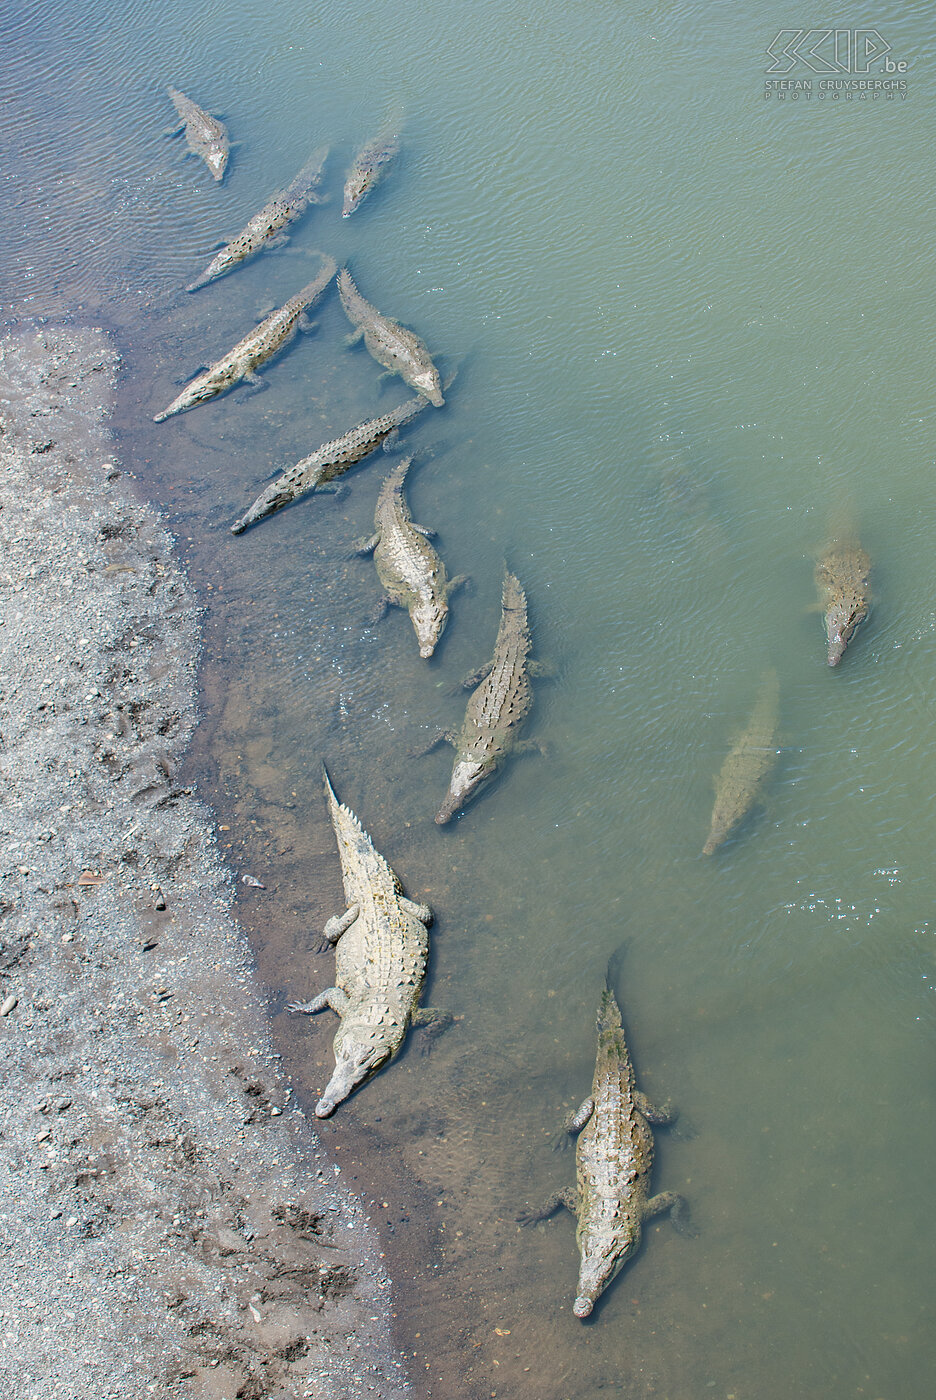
pixel 169 1224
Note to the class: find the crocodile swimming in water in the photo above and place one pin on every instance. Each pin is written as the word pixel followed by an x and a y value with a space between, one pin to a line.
pixel 267 228
pixel 381 951
pixel 369 168
pixel 613 1159
pixel 255 349
pixel 205 136
pixel 747 765
pixel 412 574
pixel 497 708
pixel 399 350
pixel 842 579
pixel 328 461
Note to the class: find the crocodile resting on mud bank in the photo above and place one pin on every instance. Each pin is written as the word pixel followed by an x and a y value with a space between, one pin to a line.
pixel 496 710
pixel 330 460
pixel 400 350
pixel 255 349
pixel 267 229
pixel 381 951
pixel 613 1159
pixel 412 574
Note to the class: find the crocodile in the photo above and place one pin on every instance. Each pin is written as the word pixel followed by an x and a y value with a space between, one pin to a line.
pixel 381 951
pixel 205 136
pixel 255 349
pixel 399 350
pixel 410 570
pixel 368 169
pixel 747 765
pixel 330 460
pixel 842 575
pixel 267 229
pixel 613 1159
pixel 497 708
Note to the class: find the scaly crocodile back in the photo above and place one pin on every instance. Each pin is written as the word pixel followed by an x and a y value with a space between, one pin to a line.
pixel 503 699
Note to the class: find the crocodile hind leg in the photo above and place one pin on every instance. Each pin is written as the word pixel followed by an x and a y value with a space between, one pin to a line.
pixel 568 1198
pixel 332 997
pixel 677 1206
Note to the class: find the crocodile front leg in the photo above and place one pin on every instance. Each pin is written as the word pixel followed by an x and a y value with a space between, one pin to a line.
pixel 332 997
pixel 442 736
pixel 661 1116
pixel 431 1023
pixel 340 923
pixel 567 1198
pixel 573 1124
pixel 678 1208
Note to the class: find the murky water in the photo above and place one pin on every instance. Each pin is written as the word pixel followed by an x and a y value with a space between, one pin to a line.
pixel 691 329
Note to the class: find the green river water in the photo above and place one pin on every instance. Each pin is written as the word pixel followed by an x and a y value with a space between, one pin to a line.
pixel 691 329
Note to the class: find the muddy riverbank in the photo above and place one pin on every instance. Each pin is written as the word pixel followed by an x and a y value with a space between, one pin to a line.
pixel 169 1223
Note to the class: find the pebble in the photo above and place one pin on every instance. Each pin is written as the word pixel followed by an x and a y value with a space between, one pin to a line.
pixel 8 1004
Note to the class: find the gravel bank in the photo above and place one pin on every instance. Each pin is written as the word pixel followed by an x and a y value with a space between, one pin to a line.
pixel 169 1225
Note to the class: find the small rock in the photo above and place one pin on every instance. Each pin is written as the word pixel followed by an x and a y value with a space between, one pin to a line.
pixel 8 1004
pixel 254 884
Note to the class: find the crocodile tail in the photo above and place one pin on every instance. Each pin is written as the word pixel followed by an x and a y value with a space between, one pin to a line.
pixel 513 597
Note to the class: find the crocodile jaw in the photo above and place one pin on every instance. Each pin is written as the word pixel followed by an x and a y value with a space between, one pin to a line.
pixel 597 1271
pixel 429 623
pixel 468 778
pixel 428 383
pixel 217 162
pixel 355 1064
pixel 842 622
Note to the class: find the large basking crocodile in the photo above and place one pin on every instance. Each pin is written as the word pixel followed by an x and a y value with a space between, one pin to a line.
pixel 399 350
pixel 267 228
pixel 329 461
pixel 747 765
pixel 381 950
pixel 842 579
pixel 255 349
pixel 497 708
pixel 412 574
pixel 613 1159
pixel 369 168
pixel 205 136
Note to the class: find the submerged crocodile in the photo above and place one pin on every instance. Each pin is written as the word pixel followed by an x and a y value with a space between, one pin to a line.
pixel 369 168
pixel 412 574
pixel 613 1159
pixel 497 708
pixel 842 578
pixel 399 350
pixel 267 229
pixel 328 461
pixel 381 951
pixel 255 349
pixel 205 136
pixel 746 766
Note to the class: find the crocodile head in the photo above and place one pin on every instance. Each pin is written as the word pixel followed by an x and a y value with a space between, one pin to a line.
pixel 599 1267
pixel 356 1062
pixel 468 778
pixel 427 382
pixel 216 160
pixel 429 619
pixel 842 619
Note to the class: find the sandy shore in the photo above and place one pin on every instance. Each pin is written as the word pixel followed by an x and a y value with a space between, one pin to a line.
pixel 169 1224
